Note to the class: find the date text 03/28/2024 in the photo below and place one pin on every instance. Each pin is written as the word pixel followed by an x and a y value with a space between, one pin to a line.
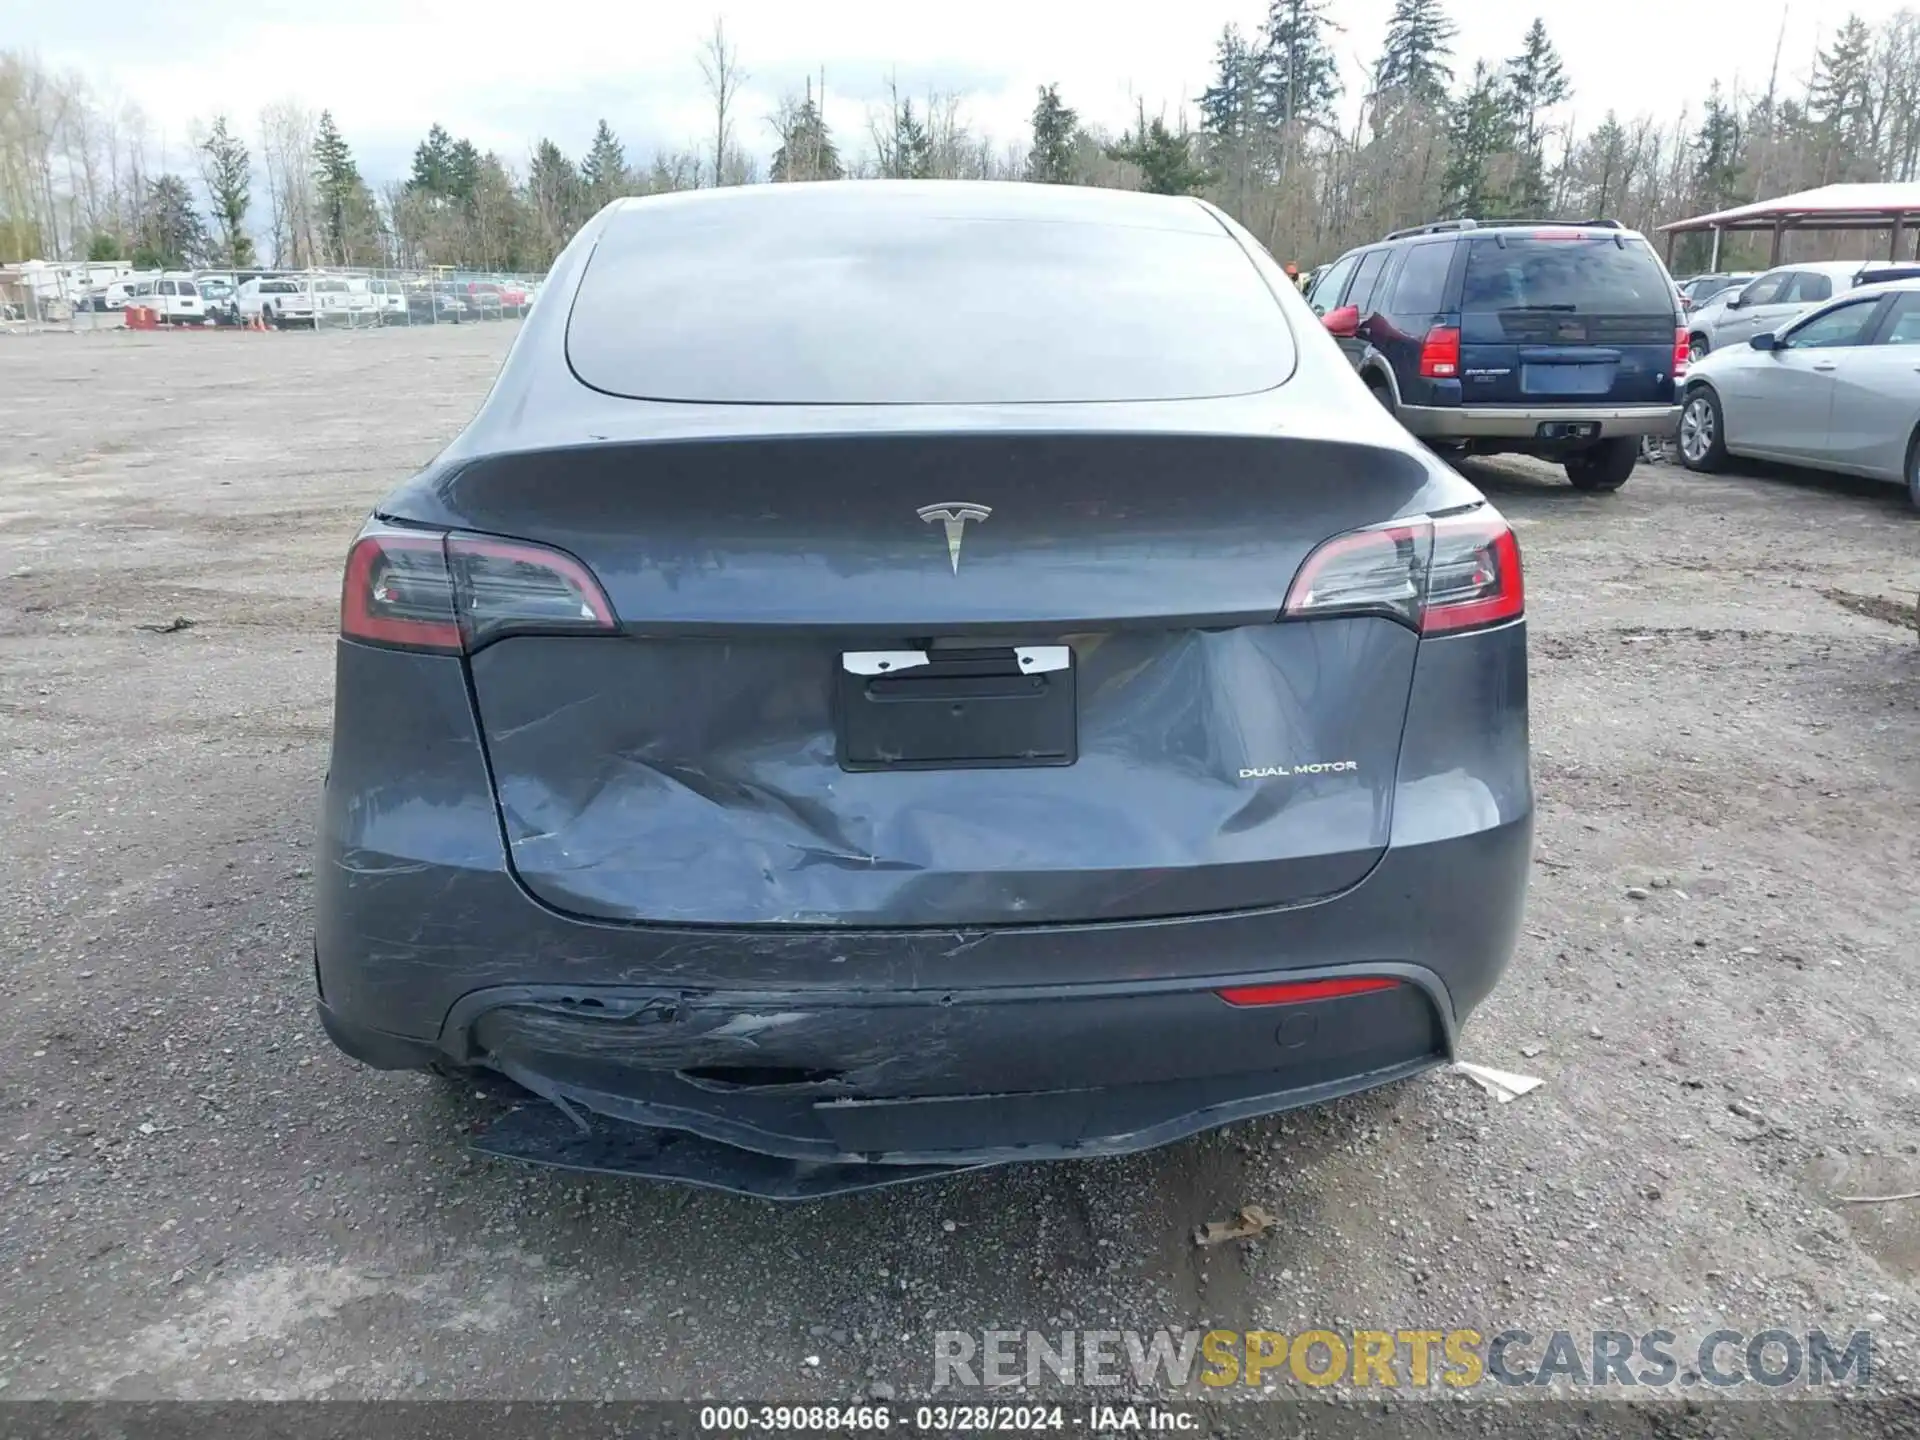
pixel 962 1419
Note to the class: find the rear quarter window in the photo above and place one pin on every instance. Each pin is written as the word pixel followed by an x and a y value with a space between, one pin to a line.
pixel 1810 287
pixel 1580 276
pixel 1421 288
pixel 878 302
pixel 1366 280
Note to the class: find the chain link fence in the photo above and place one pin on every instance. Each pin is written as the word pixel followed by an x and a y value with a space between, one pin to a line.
pixel 103 297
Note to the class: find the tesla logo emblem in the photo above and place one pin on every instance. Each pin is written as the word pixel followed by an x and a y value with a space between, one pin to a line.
pixel 954 515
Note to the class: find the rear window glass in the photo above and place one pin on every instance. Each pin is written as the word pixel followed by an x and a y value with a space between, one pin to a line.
pixel 1582 277
pixel 899 300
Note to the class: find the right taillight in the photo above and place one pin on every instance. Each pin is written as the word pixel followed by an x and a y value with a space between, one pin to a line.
pixel 427 590
pixel 1440 355
pixel 1474 577
pixel 1438 575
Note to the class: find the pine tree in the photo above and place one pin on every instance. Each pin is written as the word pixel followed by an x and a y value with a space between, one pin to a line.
pixel 553 190
pixel 1052 158
pixel 912 149
pixel 1229 106
pixel 1230 118
pixel 229 176
pixel 603 174
pixel 1841 104
pixel 1535 82
pixel 433 164
pixel 1299 78
pixel 170 235
pixel 1413 64
pixel 1479 130
pixel 463 171
pixel 349 226
pixel 1164 158
pixel 1716 176
pixel 806 150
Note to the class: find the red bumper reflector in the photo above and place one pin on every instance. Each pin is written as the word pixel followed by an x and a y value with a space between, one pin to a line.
pixel 1295 991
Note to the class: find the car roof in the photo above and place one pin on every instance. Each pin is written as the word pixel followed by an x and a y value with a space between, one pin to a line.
pixel 1884 287
pixel 1836 267
pixel 976 200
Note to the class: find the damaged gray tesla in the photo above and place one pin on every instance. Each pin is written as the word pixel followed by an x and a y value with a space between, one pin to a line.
pixel 905 677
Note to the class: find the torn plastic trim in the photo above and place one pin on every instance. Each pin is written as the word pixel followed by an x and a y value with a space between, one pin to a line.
pixel 539 1135
pixel 617 1001
pixel 729 1161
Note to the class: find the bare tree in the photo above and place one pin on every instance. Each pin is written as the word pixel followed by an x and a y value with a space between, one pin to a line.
pixel 720 64
pixel 286 151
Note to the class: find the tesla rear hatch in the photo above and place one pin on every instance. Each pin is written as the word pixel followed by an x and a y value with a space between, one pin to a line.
pixel 1003 659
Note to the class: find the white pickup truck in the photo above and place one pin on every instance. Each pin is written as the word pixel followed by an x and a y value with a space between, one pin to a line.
pixel 315 300
pixel 173 297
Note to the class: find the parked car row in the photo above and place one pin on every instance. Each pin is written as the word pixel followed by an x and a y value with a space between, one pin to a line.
pixel 311 298
pixel 1767 301
pixel 1569 341
pixel 1697 290
pixel 1836 388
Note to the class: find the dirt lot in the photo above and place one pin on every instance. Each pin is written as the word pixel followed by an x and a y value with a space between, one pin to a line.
pixel 1719 978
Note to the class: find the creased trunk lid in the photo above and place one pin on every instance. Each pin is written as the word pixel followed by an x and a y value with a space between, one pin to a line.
pixel 690 770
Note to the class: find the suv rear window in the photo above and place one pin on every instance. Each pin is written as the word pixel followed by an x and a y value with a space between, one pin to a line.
pixel 1597 276
pixel 899 300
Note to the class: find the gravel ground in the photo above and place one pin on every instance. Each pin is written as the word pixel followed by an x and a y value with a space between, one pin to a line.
pixel 1719 978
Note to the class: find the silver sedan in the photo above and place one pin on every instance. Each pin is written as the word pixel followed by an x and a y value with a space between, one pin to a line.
pixel 1837 389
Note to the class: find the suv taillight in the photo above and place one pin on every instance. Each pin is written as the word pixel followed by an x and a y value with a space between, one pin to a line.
pixel 1682 352
pixel 1440 356
pixel 428 590
pixel 1439 574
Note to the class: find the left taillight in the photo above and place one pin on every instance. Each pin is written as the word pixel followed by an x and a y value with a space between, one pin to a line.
pixel 420 590
pixel 1437 574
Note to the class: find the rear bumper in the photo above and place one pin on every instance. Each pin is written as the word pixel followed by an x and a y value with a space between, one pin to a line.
pixel 931 1077
pixel 1466 422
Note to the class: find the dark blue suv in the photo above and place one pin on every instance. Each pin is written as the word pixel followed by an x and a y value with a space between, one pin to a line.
pixel 1563 340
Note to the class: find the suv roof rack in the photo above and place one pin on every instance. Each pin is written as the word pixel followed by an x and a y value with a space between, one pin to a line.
pixel 1438 227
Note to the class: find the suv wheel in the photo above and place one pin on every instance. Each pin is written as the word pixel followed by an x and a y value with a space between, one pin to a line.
pixel 1703 432
pixel 1913 470
pixel 1604 466
pixel 1698 348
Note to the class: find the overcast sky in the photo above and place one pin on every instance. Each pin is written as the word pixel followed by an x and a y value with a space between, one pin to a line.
pixel 504 74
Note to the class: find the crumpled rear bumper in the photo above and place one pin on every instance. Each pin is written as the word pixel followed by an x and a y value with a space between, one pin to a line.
pixel 813 1092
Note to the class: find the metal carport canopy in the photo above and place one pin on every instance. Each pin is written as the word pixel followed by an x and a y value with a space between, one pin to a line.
pixel 1885 205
